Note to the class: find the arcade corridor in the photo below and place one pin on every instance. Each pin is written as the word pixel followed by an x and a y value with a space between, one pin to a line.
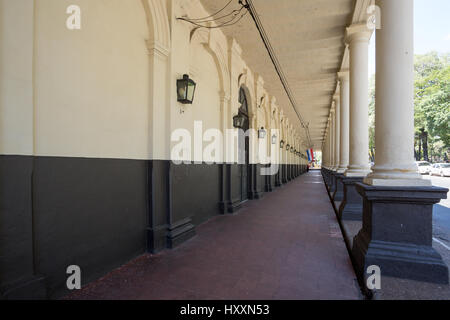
pixel 288 245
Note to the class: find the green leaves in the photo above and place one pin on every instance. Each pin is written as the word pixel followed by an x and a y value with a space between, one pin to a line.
pixel 432 96
pixel 431 101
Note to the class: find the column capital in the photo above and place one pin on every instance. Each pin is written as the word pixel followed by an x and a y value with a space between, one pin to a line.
pixel 344 75
pixel 336 97
pixel 224 96
pixel 358 32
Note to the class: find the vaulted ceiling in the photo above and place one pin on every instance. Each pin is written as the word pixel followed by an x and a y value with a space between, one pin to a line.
pixel 308 38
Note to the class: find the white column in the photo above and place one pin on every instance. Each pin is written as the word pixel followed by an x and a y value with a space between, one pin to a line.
pixel 330 141
pixel 358 36
pixel 344 118
pixel 337 130
pixel 324 153
pixel 394 113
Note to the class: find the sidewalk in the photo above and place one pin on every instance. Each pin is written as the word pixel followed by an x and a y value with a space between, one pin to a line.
pixel 287 245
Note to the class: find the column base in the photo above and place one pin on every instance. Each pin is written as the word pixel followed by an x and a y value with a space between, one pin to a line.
pixel 341 170
pixel 255 195
pixel 179 232
pixel 397 182
pixel 332 185
pixel 357 172
pixel 397 233
pixel 231 206
pixel 351 207
pixel 339 188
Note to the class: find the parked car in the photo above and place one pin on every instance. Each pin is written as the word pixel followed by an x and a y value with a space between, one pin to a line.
pixel 441 169
pixel 424 167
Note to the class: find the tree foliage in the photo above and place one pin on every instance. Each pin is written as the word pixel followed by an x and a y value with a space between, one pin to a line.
pixel 432 98
pixel 431 103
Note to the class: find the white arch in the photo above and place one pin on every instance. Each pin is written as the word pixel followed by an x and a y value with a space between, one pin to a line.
pixel 158 23
pixel 207 38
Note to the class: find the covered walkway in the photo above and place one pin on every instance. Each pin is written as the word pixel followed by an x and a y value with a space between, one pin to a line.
pixel 288 245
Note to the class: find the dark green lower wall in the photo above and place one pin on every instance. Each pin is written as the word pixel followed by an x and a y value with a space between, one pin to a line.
pixel 64 211
pixel 100 213
pixel 196 191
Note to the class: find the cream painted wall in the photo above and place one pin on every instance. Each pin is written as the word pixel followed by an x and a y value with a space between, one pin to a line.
pixel 92 84
pixel 91 92
pixel 16 77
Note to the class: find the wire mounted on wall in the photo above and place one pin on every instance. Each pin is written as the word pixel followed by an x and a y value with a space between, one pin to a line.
pixel 236 16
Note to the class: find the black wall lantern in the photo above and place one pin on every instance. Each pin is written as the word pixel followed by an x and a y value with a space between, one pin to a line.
pixel 292 149
pixel 238 121
pixel 261 133
pixel 282 144
pixel 287 147
pixel 185 90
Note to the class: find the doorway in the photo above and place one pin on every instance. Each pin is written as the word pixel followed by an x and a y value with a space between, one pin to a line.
pixel 244 149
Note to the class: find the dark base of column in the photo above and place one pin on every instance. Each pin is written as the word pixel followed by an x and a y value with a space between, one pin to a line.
pixel 397 233
pixel 255 195
pixel 231 207
pixel 179 232
pixel 352 203
pixel 156 238
pixel 325 177
pixel 329 179
pixel 339 188
pixel 332 185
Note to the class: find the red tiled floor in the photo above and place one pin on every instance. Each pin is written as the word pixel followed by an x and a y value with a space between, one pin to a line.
pixel 287 245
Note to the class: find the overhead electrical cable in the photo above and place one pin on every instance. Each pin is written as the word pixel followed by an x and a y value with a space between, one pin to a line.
pixel 225 24
pixel 235 12
pixel 214 14
pixel 237 16
pixel 251 8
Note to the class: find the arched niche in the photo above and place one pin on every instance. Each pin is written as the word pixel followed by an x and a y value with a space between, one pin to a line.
pixel 208 39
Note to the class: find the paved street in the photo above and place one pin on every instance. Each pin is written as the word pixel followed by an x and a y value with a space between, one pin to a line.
pixel 441 218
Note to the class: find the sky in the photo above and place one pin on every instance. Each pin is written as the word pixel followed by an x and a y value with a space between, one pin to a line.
pixel 431 29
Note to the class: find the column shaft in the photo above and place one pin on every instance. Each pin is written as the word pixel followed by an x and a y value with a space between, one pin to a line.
pixel 344 117
pixel 333 140
pixel 337 132
pixel 394 114
pixel 358 38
